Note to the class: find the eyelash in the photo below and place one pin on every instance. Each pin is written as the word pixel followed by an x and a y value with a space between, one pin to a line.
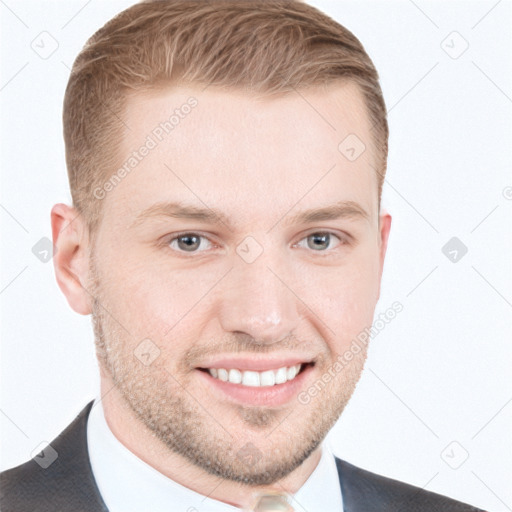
pixel 328 252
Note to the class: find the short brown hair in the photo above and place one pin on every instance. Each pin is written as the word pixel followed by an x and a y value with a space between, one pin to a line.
pixel 266 46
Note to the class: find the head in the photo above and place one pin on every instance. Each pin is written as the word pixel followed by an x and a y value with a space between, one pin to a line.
pixel 226 162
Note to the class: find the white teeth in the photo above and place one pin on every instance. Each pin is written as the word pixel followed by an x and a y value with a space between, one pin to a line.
pixel 251 378
pixel 291 372
pixel 256 379
pixel 267 378
pixel 235 376
pixel 281 375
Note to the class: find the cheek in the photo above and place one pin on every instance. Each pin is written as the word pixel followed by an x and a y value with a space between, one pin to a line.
pixel 152 300
pixel 346 297
pixel 169 306
pixel 145 300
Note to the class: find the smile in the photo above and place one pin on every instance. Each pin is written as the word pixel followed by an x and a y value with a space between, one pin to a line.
pixel 254 378
pixel 270 388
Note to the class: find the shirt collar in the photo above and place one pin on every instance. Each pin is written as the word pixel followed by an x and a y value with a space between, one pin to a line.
pixel 127 483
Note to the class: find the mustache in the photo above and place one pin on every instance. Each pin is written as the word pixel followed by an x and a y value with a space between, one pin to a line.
pixel 248 345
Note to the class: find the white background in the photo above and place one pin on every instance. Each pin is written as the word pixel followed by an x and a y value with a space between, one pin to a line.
pixel 441 371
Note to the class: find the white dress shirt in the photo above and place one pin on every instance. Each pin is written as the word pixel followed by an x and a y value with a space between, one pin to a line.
pixel 128 484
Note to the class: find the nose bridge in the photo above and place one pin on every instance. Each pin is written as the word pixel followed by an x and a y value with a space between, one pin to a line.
pixel 257 300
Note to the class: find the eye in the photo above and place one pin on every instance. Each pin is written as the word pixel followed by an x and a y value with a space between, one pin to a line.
pixel 192 242
pixel 320 241
pixel 187 242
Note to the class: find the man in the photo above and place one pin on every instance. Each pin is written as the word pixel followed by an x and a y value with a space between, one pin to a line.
pixel 226 162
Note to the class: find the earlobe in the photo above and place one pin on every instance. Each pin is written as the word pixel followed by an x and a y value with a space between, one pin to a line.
pixel 71 259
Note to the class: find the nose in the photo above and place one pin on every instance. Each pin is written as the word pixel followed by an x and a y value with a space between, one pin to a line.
pixel 258 299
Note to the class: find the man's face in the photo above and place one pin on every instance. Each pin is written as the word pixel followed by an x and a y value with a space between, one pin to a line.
pixel 257 287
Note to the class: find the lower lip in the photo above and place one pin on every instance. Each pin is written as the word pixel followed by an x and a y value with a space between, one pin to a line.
pixel 278 394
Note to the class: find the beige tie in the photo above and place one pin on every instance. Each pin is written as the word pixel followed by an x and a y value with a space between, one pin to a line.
pixel 272 502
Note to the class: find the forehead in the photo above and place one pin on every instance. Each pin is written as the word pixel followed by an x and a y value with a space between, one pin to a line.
pixel 249 153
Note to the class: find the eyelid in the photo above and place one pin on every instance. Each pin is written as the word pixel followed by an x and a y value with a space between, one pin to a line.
pixel 340 234
pixel 174 236
pixel 344 239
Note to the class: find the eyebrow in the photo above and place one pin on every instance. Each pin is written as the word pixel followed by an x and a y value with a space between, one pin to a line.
pixel 180 210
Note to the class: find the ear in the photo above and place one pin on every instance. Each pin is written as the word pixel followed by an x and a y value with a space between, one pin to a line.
pixel 384 229
pixel 71 259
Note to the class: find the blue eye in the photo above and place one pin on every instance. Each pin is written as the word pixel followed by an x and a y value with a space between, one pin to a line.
pixel 320 241
pixel 188 242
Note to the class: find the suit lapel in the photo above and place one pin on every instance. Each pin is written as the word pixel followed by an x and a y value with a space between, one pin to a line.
pixel 74 487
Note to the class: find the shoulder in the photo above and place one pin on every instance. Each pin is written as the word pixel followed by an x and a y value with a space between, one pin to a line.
pixel 58 478
pixel 366 491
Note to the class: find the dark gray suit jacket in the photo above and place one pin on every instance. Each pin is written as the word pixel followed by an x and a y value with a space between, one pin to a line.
pixel 68 485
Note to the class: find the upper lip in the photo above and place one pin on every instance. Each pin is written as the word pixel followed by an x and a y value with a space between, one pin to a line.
pixel 251 363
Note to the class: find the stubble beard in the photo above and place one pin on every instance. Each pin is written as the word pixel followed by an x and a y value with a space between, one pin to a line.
pixel 190 428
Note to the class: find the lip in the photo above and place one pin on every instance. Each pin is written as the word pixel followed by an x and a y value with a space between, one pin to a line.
pixel 270 396
pixel 255 364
